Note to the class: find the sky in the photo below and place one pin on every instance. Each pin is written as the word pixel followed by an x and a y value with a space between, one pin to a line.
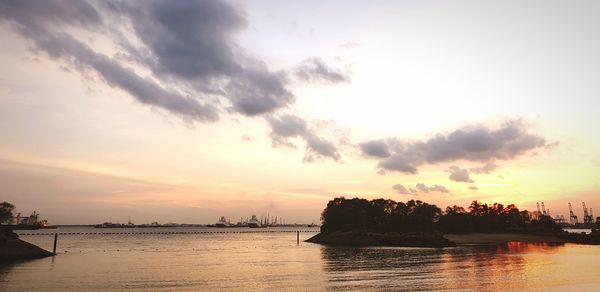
pixel 185 111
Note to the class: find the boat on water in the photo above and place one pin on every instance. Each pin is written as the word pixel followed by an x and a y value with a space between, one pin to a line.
pixel 254 222
pixel 114 225
pixel 223 222
pixel 31 222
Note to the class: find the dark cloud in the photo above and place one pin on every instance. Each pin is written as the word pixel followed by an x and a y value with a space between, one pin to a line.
pixel 190 39
pixel 317 147
pixel 474 188
pixel 285 127
pixel 34 14
pixel 400 189
pixel 485 169
pixel 314 69
pixel 63 46
pixel 188 45
pixel 400 163
pixel 472 144
pixel 458 174
pixel 193 66
pixel 257 91
pixel 375 148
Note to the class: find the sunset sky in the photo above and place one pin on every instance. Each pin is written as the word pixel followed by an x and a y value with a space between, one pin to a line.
pixel 184 111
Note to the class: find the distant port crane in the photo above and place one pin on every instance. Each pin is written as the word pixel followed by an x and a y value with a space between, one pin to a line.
pixel 544 209
pixel 587 218
pixel 572 217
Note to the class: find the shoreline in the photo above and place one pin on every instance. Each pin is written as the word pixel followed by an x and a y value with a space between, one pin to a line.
pixel 499 238
pixel 365 238
pixel 438 240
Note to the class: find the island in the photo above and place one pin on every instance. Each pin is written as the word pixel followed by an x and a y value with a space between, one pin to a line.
pixel 385 222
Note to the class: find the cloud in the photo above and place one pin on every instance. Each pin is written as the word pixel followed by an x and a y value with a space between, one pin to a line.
pixel 286 127
pixel 314 69
pixel 420 188
pixel 258 92
pixel 485 169
pixel 375 148
pixel 439 188
pixel 190 39
pixel 59 45
pixel 471 144
pixel 400 189
pixel 474 188
pixel 195 68
pixel 33 14
pixel 192 42
pixel 458 174
pixel 192 66
pixel 317 147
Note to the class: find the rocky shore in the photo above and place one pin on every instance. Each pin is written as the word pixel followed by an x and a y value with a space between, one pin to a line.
pixel 360 238
pixel 14 249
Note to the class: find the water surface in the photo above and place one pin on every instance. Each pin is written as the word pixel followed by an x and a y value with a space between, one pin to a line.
pixel 273 261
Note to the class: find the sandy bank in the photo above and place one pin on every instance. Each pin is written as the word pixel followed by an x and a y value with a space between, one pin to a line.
pixel 496 238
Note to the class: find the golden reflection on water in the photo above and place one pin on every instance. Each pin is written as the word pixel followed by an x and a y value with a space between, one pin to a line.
pixel 511 266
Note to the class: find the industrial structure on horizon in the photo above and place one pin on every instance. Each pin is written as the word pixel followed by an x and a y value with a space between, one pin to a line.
pixel 588 216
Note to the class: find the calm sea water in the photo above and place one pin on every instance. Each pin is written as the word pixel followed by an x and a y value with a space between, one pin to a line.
pixel 273 261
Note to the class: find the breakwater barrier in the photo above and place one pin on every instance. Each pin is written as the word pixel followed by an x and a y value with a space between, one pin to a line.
pixel 165 232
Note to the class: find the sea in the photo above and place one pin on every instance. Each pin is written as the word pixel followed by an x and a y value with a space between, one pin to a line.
pixel 244 259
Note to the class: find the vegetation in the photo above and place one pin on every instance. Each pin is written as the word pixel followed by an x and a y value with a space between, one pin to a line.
pixel 382 215
pixel 6 213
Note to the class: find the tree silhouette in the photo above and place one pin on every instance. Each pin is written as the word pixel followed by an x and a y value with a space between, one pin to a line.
pixel 6 213
pixel 385 215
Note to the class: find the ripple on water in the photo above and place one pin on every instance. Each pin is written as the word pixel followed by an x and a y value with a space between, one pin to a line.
pixel 273 261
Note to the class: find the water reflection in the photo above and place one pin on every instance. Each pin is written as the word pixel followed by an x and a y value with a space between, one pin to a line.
pixel 525 247
pixel 274 262
pixel 477 267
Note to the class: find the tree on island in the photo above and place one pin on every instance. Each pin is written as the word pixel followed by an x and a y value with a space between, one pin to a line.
pixel 381 215
pixel 6 213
